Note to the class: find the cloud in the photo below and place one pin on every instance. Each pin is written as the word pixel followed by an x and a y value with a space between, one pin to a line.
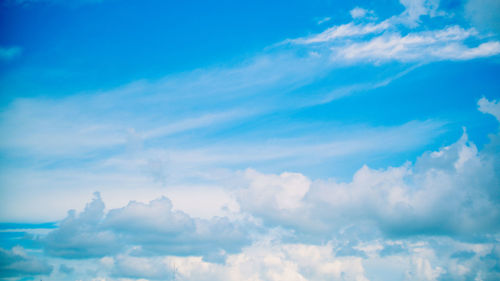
pixel 383 42
pixel 435 45
pixel 323 20
pixel 414 9
pixel 270 259
pixel 358 13
pixel 343 31
pixel 92 124
pixel 263 260
pixel 139 267
pixel 449 192
pixel 89 123
pixel 489 107
pixel 16 263
pixel 144 229
pixel 435 219
pixel 80 236
pixel 9 53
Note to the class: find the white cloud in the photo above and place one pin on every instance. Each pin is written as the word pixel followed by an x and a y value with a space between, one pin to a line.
pixel 447 192
pixel 79 236
pixel 284 192
pixel 331 230
pixel 344 31
pixel 446 44
pixel 264 260
pixel 379 42
pixel 145 229
pixel 323 20
pixel 414 9
pixel 270 259
pixel 358 13
pixel 489 107
pixel 446 197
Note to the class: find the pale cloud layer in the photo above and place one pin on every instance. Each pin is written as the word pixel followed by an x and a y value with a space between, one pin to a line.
pixel 435 219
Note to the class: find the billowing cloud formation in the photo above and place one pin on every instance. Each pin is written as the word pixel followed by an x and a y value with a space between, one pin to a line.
pixel 436 219
pixel 145 229
pixel 17 263
pixel 452 191
pixel 81 236
pixel 271 260
pixel 264 260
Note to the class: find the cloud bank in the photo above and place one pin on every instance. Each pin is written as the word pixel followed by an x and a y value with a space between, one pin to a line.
pixel 435 219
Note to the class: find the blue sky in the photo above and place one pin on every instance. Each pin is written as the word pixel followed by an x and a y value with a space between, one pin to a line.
pixel 298 140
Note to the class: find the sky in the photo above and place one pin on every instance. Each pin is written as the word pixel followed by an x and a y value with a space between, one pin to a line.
pixel 249 140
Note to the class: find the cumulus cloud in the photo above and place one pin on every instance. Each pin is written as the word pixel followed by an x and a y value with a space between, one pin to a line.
pixel 435 219
pixel 145 229
pixel 452 191
pixel 270 259
pixel 17 263
pixel 80 236
pixel 264 260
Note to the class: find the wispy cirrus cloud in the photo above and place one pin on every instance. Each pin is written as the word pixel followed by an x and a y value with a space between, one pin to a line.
pixel 423 46
pixel 385 44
